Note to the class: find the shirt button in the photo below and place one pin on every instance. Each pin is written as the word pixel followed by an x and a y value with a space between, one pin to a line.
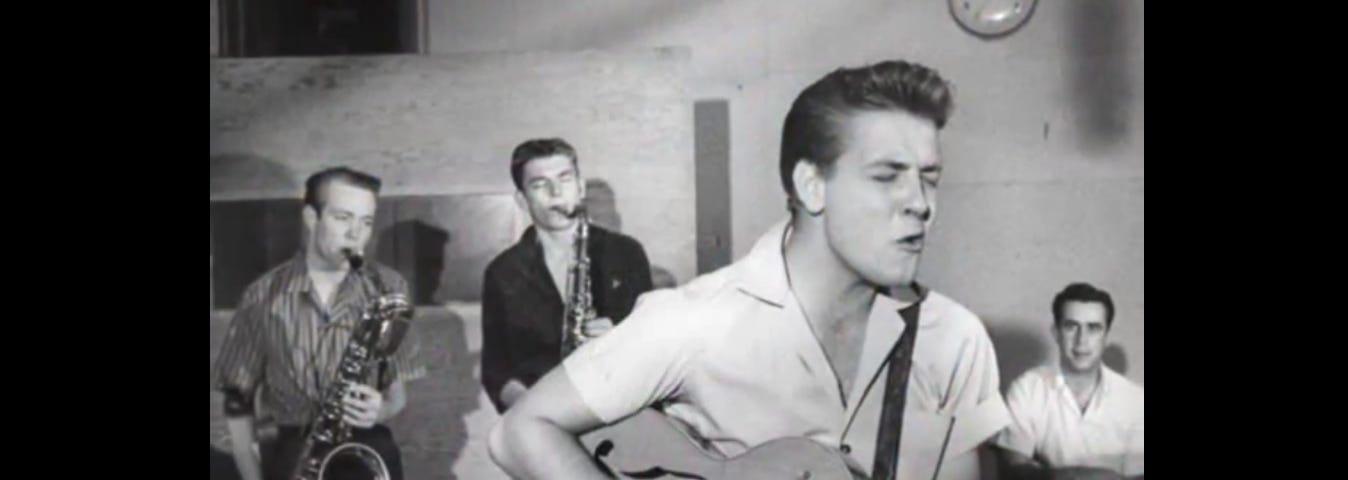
pixel 846 449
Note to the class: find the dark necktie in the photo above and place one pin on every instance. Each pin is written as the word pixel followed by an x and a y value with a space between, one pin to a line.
pixel 896 389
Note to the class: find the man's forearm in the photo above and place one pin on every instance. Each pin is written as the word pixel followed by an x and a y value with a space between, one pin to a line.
pixel 394 401
pixel 241 440
pixel 533 448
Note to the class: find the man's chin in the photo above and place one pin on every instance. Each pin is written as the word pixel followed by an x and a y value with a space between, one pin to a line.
pixel 898 287
pixel 896 278
pixel 1083 366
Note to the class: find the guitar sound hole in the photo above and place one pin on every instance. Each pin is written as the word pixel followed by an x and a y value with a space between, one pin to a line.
pixel 602 451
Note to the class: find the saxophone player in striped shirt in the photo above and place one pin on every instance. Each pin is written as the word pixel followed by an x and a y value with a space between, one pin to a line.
pixel 292 325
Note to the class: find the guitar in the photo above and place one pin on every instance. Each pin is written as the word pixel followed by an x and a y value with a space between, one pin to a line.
pixel 650 445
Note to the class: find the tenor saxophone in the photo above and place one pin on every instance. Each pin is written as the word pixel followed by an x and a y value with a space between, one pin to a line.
pixel 579 302
pixel 376 336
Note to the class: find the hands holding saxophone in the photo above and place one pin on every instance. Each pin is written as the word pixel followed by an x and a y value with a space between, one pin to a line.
pixel 361 405
pixel 596 327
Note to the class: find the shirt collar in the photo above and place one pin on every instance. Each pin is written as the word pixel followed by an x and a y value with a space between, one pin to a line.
pixel 764 272
pixel 1107 379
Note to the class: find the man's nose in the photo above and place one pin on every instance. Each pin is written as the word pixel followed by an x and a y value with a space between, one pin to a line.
pixel 913 196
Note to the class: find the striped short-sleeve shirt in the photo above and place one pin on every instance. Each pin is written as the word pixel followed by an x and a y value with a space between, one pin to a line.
pixel 283 341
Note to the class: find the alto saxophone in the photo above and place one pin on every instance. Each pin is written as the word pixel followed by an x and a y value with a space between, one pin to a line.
pixel 579 302
pixel 377 335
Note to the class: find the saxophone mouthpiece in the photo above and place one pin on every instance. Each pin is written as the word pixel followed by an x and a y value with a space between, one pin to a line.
pixel 354 257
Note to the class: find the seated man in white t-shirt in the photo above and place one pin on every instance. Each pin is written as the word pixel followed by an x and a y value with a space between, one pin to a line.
pixel 1076 419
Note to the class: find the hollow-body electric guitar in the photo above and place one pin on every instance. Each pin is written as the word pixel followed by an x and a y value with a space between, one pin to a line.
pixel 650 445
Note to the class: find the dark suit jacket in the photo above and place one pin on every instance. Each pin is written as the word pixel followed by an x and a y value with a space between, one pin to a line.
pixel 522 309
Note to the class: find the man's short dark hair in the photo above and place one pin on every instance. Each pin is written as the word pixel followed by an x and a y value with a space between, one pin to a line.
pixel 810 133
pixel 537 148
pixel 315 188
pixel 1083 293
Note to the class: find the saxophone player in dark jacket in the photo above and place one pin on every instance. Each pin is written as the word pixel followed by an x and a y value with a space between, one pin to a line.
pixel 525 287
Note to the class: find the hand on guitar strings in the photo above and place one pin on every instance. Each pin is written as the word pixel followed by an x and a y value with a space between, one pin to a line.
pixel 362 404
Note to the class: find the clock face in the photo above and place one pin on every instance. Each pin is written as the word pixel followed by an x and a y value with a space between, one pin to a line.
pixel 992 18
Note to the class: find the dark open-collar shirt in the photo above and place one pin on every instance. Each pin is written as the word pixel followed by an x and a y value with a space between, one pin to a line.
pixel 522 307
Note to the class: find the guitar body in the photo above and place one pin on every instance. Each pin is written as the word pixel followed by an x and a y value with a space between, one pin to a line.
pixel 651 445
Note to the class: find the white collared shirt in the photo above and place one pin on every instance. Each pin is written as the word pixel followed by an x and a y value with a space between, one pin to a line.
pixel 737 361
pixel 1048 422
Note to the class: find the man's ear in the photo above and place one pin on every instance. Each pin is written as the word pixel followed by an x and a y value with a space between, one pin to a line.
pixel 808 180
pixel 519 200
pixel 310 216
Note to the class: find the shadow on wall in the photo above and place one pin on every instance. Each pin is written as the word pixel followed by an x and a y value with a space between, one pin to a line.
pixel 1018 349
pixel 1116 358
pixel 432 430
pixel 1100 82
pixel 602 203
pixel 442 243
pixel 417 251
